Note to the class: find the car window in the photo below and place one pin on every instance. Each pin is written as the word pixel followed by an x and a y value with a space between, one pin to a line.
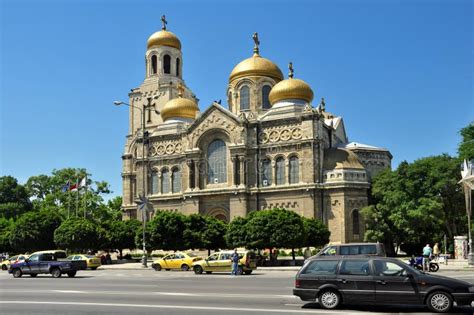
pixel 368 249
pixel 329 251
pixel 213 257
pixel 388 269
pixel 349 250
pixel 172 256
pixel 13 258
pixel 70 258
pixel 34 258
pixel 358 267
pixel 60 255
pixel 90 256
pixel 321 267
pixel 179 256
pixel 225 256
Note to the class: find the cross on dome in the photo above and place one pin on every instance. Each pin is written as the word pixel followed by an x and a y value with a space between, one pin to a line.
pixel 163 20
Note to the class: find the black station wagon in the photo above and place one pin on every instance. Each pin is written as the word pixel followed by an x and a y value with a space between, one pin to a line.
pixel 377 280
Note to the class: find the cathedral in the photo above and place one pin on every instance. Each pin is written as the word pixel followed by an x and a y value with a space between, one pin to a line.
pixel 267 147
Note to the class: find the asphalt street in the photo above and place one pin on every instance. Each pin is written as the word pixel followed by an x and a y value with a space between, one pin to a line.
pixel 172 292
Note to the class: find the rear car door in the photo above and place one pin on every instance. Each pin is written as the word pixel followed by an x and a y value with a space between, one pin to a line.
pixel 225 262
pixel 212 262
pixel 317 274
pixel 393 284
pixel 355 281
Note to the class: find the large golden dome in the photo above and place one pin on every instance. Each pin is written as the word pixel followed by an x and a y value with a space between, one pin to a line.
pixel 163 38
pixel 256 66
pixel 179 107
pixel 291 89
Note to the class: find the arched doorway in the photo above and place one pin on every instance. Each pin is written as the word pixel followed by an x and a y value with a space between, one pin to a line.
pixel 219 213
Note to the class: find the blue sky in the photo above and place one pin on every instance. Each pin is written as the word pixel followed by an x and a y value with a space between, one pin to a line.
pixel 399 72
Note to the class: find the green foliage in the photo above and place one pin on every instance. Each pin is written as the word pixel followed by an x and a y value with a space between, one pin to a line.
pixel 236 235
pixel 121 234
pixel 204 232
pixel 416 204
pixel 466 147
pixel 14 199
pixel 6 226
pixel 79 235
pixel 166 231
pixel 315 232
pixel 35 230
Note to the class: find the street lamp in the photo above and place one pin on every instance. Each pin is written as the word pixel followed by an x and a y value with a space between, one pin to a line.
pixel 143 197
pixel 467 182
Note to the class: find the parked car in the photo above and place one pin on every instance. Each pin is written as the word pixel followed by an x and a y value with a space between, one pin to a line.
pixel 177 260
pixel 221 262
pixel 92 262
pixel 46 263
pixel 377 280
pixel 7 262
pixel 375 249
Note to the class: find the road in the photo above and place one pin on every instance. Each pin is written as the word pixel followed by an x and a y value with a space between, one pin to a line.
pixel 171 292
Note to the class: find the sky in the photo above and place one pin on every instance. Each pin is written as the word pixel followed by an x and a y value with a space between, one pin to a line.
pixel 400 73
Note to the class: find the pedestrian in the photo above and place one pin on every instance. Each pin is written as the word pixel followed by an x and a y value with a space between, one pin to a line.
pixel 436 252
pixel 235 262
pixel 307 253
pixel 108 259
pixel 427 251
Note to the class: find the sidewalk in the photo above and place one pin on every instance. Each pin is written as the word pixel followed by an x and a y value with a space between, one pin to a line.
pixel 452 266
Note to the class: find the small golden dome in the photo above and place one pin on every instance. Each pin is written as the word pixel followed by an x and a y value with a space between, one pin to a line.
pixel 256 66
pixel 164 38
pixel 179 107
pixel 291 89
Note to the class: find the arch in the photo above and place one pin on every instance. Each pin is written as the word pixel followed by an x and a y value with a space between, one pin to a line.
pixel 178 64
pixel 294 170
pixel 267 174
pixel 154 182
pixel 217 162
pixel 176 180
pixel 265 93
pixel 165 181
pixel 280 171
pixel 218 213
pixel 154 64
pixel 167 64
pixel 244 98
pixel 355 222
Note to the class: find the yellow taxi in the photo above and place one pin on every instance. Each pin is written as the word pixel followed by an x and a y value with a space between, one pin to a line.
pixel 92 261
pixel 7 262
pixel 221 262
pixel 177 260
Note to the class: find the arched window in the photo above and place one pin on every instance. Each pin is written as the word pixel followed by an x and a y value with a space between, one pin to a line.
pixel 154 182
pixel 265 92
pixel 244 98
pixel 280 171
pixel 177 66
pixel 176 177
pixel 294 170
pixel 216 162
pixel 167 64
pixel 355 222
pixel 266 173
pixel 154 64
pixel 165 181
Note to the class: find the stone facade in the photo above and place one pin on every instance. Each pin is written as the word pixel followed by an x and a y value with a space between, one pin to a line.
pixel 229 161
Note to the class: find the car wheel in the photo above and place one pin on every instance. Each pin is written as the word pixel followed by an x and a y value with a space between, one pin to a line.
pixel 17 273
pixel 4 267
pixel 71 274
pixel 157 267
pixel 240 270
pixel 184 267
pixel 198 270
pixel 32 275
pixel 247 272
pixel 329 299
pixel 439 302
pixel 434 267
pixel 93 268
pixel 56 273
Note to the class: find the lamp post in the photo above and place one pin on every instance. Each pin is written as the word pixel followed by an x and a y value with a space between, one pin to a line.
pixel 143 197
pixel 467 182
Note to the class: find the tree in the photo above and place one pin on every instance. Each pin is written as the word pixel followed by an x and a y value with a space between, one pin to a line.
pixel 14 199
pixel 213 235
pixel 466 147
pixel 6 226
pixel 79 234
pixel 166 231
pixel 315 232
pixel 121 234
pixel 35 230
pixel 236 235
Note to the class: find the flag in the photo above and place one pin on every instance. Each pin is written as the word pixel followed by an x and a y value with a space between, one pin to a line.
pixel 73 187
pixel 66 186
pixel 82 183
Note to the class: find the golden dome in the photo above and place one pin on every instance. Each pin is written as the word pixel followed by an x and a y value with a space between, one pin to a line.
pixel 179 107
pixel 291 89
pixel 163 38
pixel 256 66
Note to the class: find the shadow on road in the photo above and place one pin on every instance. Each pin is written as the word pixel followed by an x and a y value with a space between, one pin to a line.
pixel 393 309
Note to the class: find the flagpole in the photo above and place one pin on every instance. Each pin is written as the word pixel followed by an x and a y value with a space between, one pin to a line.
pixel 77 196
pixel 85 196
pixel 68 204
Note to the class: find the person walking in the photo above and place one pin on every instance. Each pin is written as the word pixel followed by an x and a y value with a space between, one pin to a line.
pixel 235 262
pixel 427 252
pixel 436 252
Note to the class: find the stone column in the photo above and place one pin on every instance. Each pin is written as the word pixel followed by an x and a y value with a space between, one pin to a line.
pixel 242 170
pixel 234 170
pixel 287 171
pixel 274 173
pixel 159 183
pixel 190 178
pixel 196 174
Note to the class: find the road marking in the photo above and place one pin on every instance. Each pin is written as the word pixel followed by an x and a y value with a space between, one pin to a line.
pixel 207 308
pixel 68 291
